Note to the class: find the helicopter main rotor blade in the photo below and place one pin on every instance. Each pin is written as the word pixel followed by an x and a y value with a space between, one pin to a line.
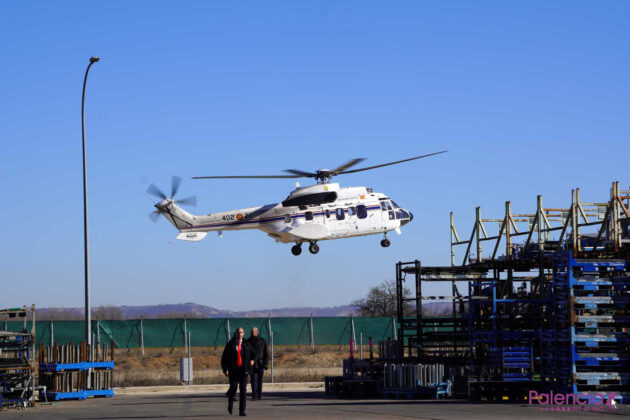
pixel 188 201
pixel 301 173
pixel 175 183
pixel 153 190
pixel 246 177
pixel 390 163
pixel 340 169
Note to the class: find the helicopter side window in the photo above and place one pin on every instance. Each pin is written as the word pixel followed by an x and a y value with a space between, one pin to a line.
pixel 308 215
pixel 287 218
pixel 340 214
pixel 327 212
pixel 361 211
pixel 383 206
pixel 352 211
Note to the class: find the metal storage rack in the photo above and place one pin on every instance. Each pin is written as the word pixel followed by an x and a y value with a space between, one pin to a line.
pixel 571 309
pixel 16 361
pixel 66 373
pixel 549 313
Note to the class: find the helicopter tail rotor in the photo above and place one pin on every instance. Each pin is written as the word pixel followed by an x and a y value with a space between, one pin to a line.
pixel 162 206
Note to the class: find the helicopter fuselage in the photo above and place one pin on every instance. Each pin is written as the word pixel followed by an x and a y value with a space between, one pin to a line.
pixel 309 214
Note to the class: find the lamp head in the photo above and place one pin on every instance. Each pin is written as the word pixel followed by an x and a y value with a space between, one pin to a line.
pixel 94 59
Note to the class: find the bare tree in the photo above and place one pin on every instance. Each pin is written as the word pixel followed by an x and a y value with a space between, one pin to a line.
pixel 107 313
pixel 60 314
pixel 381 301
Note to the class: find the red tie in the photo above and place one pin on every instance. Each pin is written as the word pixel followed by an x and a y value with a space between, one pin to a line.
pixel 239 361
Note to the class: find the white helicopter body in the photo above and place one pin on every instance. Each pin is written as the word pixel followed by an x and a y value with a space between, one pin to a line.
pixel 356 211
pixel 309 214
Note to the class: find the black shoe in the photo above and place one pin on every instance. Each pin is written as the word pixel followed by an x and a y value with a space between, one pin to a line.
pixel 230 405
pixel 254 398
pixel 242 414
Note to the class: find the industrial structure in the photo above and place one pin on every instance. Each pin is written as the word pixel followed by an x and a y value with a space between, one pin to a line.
pixel 17 364
pixel 545 308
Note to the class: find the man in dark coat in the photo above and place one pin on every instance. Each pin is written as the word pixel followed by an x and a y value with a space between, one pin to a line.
pixel 236 363
pixel 260 354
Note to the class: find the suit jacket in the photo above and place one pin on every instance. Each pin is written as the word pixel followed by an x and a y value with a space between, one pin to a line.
pixel 229 360
pixel 260 351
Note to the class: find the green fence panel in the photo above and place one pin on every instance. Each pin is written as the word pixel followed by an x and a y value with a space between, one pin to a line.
pixel 210 331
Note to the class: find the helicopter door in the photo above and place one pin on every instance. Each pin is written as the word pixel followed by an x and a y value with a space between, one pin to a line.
pixel 339 222
pixel 353 220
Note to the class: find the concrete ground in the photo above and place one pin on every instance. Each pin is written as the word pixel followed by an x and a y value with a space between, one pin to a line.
pixel 285 404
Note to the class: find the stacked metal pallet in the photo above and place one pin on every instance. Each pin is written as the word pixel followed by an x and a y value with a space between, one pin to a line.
pixel 415 380
pixel 66 373
pixel 597 357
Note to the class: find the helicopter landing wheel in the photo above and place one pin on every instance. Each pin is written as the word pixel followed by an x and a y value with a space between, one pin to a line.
pixel 313 248
pixel 296 249
pixel 385 243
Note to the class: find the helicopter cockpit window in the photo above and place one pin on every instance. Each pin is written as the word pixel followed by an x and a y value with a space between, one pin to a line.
pixel 401 214
pixel 340 214
pixel 287 218
pixel 308 215
pixel 396 206
pixel 385 205
pixel 361 211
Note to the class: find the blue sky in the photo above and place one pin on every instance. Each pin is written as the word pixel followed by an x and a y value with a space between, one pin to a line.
pixel 529 98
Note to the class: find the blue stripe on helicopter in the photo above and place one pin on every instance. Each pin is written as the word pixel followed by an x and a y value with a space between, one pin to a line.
pixel 270 219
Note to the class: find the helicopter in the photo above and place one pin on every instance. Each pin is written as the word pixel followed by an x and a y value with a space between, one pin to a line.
pixel 309 214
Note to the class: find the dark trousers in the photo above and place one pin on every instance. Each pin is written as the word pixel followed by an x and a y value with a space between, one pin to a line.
pixel 257 381
pixel 238 379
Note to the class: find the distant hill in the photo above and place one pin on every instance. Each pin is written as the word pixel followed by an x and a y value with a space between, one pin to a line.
pixel 188 310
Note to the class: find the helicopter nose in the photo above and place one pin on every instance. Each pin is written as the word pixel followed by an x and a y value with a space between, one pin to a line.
pixel 407 219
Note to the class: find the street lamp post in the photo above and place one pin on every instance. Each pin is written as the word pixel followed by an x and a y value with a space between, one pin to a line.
pixel 88 317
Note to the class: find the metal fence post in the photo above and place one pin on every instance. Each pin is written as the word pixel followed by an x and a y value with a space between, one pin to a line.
pixel 185 334
pixel 271 337
pixel 52 333
pixel 353 335
pixel 190 380
pixel 141 337
pixel 269 325
pixel 228 327
pixel 394 333
pixel 311 330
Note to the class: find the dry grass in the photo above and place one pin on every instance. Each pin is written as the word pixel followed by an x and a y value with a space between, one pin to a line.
pixel 160 366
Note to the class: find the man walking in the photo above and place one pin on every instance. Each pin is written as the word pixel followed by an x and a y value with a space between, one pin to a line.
pixel 260 354
pixel 236 362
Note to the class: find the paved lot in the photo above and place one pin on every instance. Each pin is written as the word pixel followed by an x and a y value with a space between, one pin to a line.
pixel 307 404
